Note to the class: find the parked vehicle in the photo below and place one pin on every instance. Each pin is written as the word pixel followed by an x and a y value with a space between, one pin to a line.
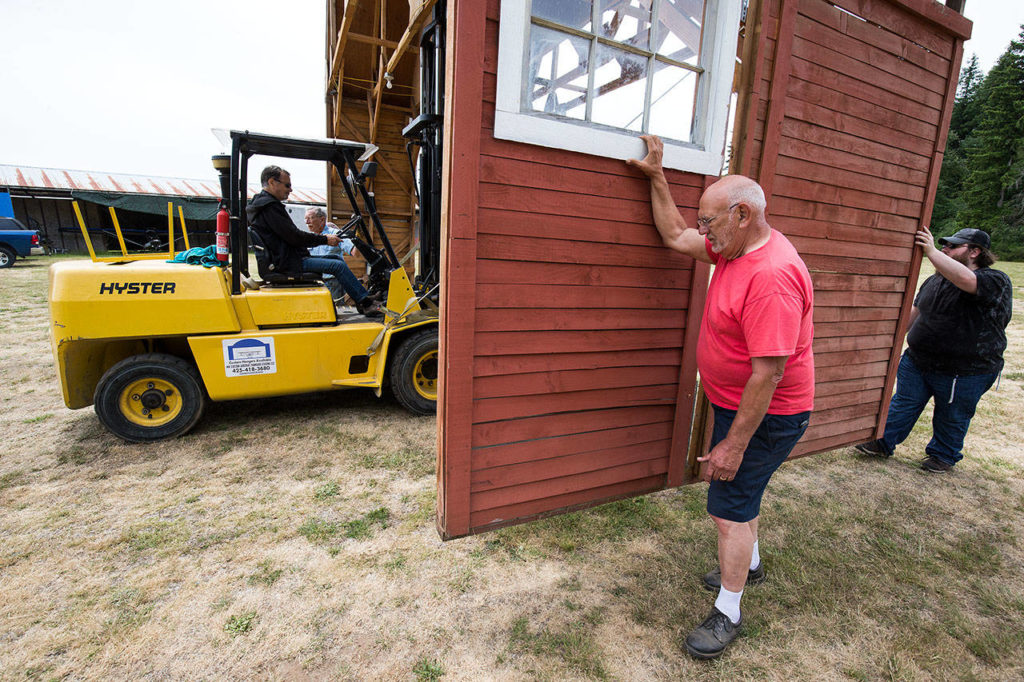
pixel 16 241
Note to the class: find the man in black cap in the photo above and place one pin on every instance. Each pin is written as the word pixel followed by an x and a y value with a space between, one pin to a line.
pixel 954 347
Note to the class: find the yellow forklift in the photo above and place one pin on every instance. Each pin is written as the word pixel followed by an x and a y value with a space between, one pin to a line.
pixel 148 342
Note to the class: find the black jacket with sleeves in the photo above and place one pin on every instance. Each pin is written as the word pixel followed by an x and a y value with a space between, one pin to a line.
pixel 286 244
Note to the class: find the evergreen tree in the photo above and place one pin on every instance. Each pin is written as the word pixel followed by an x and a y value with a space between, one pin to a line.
pixel 948 197
pixel 994 156
pixel 965 108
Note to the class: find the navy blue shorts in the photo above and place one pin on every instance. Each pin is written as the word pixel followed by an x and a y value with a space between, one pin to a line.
pixel 739 500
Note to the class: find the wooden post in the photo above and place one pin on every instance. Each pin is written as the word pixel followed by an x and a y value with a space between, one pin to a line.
pixel 460 202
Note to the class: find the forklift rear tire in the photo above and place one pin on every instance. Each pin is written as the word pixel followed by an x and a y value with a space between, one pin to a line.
pixel 414 372
pixel 149 397
pixel 7 257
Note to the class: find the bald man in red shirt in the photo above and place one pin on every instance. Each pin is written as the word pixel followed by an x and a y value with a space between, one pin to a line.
pixel 756 366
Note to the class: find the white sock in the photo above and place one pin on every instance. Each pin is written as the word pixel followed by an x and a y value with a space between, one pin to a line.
pixel 755 558
pixel 729 604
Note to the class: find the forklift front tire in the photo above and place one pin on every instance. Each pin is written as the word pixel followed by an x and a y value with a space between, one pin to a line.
pixel 149 397
pixel 414 372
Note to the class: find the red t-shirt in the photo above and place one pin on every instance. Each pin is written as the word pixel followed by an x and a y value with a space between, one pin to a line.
pixel 758 305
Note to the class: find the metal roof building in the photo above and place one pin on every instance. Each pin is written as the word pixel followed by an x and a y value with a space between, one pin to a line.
pixel 30 177
pixel 42 200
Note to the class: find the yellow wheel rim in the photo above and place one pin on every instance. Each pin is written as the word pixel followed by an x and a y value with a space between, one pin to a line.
pixel 150 402
pixel 424 375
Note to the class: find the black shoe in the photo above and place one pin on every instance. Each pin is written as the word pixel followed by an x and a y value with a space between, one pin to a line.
pixel 872 449
pixel 713 580
pixel 369 307
pixel 935 465
pixel 712 636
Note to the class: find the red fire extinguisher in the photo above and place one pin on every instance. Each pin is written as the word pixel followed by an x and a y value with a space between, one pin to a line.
pixel 222 235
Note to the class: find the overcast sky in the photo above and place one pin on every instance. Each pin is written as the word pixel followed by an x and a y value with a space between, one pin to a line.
pixel 134 86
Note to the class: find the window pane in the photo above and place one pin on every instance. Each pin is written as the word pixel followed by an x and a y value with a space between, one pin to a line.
pixel 620 83
pixel 572 13
pixel 627 21
pixel 672 97
pixel 557 81
pixel 679 28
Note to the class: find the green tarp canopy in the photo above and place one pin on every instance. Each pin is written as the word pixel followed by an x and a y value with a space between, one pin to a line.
pixel 194 207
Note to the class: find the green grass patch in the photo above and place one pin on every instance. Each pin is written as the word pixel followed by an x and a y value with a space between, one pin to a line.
pixel 975 552
pixel 428 670
pixel 265 574
pixel 131 609
pixel 614 522
pixel 78 455
pixel 413 461
pixel 11 479
pixel 318 530
pixel 326 491
pixel 240 624
pixel 363 527
pixel 159 535
pixel 36 420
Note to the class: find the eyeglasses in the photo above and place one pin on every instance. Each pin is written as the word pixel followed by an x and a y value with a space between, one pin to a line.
pixel 286 184
pixel 706 222
pixel 954 247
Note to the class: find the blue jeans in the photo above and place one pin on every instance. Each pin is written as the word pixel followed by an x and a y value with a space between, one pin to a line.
pixel 956 397
pixel 337 268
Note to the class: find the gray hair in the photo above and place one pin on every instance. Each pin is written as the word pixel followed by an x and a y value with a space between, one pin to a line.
pixel 317 212
pixel 749 193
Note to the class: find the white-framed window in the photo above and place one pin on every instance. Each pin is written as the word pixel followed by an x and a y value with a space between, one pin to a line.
pixel 592 75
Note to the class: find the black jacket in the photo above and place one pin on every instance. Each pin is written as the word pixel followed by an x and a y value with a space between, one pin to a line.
pixel 286 244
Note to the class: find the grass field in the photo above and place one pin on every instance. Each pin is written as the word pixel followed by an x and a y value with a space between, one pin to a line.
pixel 295 540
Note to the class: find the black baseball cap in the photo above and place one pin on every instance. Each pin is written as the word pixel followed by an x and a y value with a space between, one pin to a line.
pixel 968 236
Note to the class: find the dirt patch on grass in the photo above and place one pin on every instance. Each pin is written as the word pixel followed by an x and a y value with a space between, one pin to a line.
pixel 295 540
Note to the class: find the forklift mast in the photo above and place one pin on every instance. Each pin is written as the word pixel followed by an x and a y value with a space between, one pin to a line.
pixel 425 133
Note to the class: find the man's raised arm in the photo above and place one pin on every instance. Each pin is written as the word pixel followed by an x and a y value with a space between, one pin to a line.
pixel 667 218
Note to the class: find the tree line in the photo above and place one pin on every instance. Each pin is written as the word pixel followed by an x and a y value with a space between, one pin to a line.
pixel 982 180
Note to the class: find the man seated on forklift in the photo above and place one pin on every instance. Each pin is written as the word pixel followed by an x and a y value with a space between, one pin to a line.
pixel 286 244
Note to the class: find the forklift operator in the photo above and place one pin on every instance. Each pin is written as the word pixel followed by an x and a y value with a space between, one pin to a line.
pixel 286 244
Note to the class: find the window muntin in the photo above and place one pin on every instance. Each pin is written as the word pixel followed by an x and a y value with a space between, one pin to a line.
pixel 602 76
pixel 590 75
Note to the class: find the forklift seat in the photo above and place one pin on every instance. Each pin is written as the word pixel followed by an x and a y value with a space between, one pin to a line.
pixel 278 279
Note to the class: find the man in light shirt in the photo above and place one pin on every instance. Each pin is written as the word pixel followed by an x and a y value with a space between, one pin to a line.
pixel 316 221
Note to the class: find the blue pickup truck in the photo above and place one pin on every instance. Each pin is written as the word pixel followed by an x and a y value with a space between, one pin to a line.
pixel 16 241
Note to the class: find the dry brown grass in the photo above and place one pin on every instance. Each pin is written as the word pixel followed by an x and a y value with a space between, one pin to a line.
pixel 257 547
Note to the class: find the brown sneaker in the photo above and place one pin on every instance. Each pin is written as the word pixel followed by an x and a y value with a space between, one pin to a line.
pixel 712 636
pixel 935 465
pixel 872 448
pixel 713 579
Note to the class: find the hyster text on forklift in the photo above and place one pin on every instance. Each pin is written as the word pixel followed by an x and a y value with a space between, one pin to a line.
pixel 148 342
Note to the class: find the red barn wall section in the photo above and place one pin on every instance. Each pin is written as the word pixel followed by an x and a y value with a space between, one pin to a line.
pixel 568 331
pixel 846 127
